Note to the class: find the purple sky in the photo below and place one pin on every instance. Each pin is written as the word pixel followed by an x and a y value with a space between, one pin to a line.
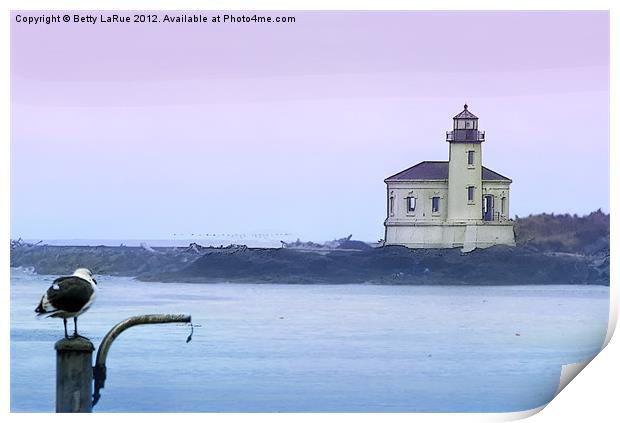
pixel 143 131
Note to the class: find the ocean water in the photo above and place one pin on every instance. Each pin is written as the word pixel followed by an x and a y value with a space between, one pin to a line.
pixel 316 348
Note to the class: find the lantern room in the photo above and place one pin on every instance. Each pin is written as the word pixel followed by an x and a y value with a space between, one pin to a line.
pixel 465 128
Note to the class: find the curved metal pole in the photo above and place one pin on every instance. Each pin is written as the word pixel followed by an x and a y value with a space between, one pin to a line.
pixel 99 371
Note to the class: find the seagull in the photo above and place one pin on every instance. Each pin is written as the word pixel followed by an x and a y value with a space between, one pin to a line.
pixel 69 296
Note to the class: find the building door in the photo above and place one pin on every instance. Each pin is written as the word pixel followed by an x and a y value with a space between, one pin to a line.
pixel 487 207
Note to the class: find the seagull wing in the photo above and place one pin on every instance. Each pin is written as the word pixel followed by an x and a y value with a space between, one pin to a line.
pixel 68 293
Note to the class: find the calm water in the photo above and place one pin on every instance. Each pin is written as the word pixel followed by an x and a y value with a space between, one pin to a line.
pixel 317 348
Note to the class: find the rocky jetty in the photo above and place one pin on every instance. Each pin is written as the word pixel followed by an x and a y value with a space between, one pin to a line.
pixel 115 261
pixel 499 265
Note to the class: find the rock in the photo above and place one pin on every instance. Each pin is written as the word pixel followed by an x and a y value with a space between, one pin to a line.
pixel 499 265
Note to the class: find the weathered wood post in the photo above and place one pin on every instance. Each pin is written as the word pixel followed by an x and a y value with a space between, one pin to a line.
pixel 74 375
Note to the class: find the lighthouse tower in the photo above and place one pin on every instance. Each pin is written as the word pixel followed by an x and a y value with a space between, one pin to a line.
pixel 465 168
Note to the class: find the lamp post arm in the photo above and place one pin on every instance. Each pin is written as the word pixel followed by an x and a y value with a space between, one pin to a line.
pixel 99 371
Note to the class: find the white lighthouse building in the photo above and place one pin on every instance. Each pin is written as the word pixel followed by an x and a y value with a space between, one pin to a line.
pixel 458 203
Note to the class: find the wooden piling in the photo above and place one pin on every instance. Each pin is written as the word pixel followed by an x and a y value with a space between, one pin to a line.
pixel 74 375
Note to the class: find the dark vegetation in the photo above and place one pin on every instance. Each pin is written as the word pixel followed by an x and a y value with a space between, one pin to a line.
pixel 564 232
pixel 551 249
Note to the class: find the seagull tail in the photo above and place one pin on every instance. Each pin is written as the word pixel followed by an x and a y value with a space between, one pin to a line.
pixel 41 311
pixel 44 313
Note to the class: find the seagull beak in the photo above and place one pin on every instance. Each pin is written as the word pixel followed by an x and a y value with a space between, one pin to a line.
pixel 95 280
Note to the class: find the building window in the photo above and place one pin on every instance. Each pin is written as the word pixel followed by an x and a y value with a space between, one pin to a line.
pixel 411 204
pixel 470 158
pixel 435 204
pixel 391 205
pixel 470 194
pixel 503 206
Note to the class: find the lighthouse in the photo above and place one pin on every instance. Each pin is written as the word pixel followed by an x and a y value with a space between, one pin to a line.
pixel 454 203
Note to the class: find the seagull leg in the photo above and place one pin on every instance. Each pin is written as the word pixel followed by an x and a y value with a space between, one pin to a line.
pixel 65 323
pixel 75 334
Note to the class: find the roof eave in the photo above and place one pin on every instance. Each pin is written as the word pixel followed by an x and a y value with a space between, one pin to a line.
pixel 498 180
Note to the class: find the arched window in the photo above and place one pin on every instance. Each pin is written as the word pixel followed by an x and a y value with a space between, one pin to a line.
pixel 411 203
pixel 470 194
pixel 435 204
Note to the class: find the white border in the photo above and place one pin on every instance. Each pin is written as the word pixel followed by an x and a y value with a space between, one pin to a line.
pixel 590 397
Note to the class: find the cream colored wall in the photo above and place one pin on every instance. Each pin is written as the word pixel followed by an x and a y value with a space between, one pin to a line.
pixel 423 191
pixel 425 235
pixel 460 176
pixel 450 235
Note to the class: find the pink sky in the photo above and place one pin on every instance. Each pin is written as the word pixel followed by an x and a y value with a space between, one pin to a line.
pixel 142 131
